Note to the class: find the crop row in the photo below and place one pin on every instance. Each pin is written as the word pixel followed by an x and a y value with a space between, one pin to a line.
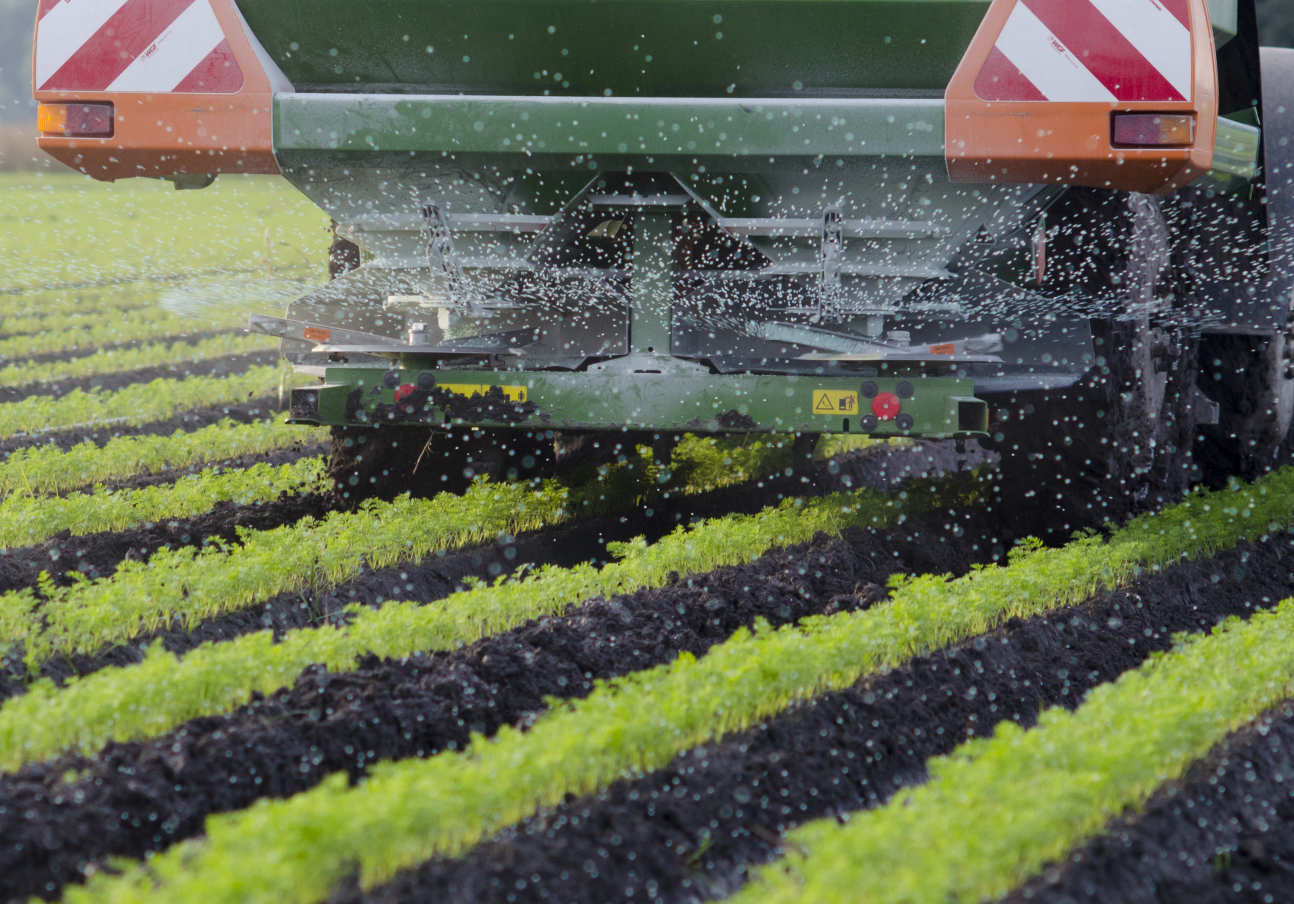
pixel 39 470
pixel 47 305
pixel 184 586
pixel 124 327
pixel 163 691
pixel 137 403
pixel 406 811
pixel 23 325
pixel 187 585
pixel 25 520
pixel 997 810
pixel 114 360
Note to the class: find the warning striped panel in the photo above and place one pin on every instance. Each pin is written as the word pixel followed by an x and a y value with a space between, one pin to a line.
pixel 151 46
pixel 1091 50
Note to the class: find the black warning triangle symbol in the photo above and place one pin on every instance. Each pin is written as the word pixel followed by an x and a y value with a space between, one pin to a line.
pixel 824 403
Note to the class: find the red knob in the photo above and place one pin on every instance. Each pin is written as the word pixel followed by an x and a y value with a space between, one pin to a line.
pixel 885 406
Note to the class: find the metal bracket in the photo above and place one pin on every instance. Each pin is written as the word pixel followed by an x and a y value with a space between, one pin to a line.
pixel 315 333
pixel 830 255
pixel 446 269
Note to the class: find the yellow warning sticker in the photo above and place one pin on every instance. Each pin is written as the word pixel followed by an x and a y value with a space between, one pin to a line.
pixel 514 393
pixel 834 401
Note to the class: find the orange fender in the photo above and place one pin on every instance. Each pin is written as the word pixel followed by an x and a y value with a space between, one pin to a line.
pixel 189 90
pixel 1037 93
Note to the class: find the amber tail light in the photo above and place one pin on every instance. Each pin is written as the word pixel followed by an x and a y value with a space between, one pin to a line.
pixel 75 120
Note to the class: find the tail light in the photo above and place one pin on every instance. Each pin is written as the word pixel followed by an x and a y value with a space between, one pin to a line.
pixel 75 120
pixel 1153 130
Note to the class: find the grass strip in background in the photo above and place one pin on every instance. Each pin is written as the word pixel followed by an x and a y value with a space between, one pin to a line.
pixel 47 469
pixel 116 360
pixel 996 810
pixel 137 403
pixel 90 231
pixel 162 692
pixel 296 850
pixel 25 520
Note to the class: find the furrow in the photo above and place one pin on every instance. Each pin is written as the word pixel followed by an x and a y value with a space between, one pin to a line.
pixel 22 379
pixel 49 469
pixel 138 797
pixel 25 520
pixel 997 810
pixel 129 694
pixel 66 559
pixel 409 810
pixel 137 403
pixel 1218 835
pixel 215 365
pixel 152 324
pixel 692 830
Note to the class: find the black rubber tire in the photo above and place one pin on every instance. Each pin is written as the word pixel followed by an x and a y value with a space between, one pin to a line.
pixel 1121 440
pixel 1096 453
pixel 1251 378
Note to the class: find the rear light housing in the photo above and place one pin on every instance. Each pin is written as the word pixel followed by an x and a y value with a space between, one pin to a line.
pixel 75 120
pixel 1152 130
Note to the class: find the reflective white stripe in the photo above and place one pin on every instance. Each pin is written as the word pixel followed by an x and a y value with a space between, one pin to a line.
pixel 1157 33
pixel 183 45
pixel 65 29
pixel 1045 61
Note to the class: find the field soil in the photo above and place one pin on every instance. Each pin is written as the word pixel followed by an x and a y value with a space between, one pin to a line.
pixel 192 419
pixel 694 830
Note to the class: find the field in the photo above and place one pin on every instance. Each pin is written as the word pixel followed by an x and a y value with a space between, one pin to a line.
pixel 855 680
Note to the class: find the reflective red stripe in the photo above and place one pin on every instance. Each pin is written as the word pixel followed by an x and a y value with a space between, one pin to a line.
pixel 125 36
pixel 1179 8
pixel 1001 80
pixel 45 6
pixel 218 72
pixel 1103 50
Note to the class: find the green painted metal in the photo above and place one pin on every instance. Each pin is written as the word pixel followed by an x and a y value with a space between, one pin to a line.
pixel 651 290
pixel 537 125
pixel 662 48
pixel 1235 153
pixel 1224 16
pixel 940 407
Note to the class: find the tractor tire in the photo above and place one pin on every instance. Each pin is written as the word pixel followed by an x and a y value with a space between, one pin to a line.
pixel 1117 443
pixel 1251 378
pixel 1121 440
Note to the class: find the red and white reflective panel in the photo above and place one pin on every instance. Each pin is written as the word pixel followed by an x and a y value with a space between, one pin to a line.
pixel 150 46
pixel 1091 50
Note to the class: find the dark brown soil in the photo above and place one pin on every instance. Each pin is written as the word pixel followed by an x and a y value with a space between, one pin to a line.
pixel 226 364
pixel 98 555
pixel 693 830
pixel 1221 835
pixel 143 796
pixel 298 450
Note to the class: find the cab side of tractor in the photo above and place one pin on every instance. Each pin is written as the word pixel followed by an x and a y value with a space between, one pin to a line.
pixel 563 228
